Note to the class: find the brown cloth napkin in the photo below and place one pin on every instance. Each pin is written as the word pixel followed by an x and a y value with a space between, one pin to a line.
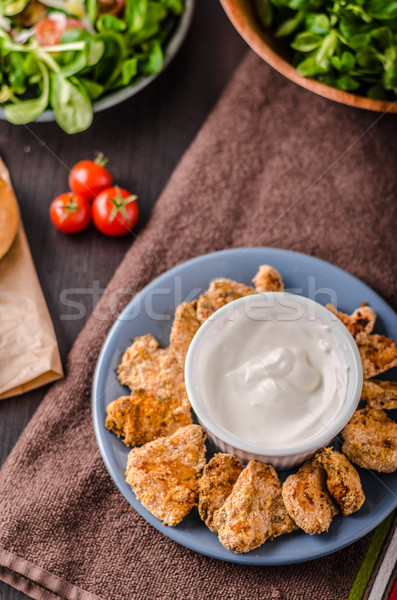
pixel 273 165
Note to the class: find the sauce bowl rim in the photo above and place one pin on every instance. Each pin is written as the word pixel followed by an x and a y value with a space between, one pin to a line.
pixel 346 411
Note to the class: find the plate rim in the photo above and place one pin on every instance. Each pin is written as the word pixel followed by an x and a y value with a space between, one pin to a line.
pixel 172 532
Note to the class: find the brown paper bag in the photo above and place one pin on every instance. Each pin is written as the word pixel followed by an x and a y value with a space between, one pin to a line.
pixel 29 355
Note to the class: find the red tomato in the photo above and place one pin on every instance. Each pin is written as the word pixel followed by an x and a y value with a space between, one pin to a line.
pixel 48 32
pixel 89 177
pixel 70 213
pixel 115 211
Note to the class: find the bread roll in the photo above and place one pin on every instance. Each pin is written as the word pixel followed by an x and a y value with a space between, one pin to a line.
pixel 9 217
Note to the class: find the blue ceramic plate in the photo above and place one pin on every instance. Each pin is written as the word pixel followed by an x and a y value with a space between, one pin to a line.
pixel 152 311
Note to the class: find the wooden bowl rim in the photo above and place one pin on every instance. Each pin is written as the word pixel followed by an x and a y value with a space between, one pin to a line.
pixel 238 17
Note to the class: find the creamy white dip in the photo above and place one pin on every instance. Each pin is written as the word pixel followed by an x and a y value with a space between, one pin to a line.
pixel 274 377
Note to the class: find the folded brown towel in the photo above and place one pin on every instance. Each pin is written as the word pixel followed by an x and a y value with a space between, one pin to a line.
pixel 274 165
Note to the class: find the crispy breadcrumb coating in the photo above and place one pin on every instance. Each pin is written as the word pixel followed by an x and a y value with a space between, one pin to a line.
pixel 215 485
pixel 254 511
pixel 378 354
pixel 268 279
pixel 183 330
pixel 307 499
pixel 164 473
pixel 362 320
pixel 370 440
pixel 220 292
pixel 248 505
pixel 141 417
pixel 380 394
pixel 343 481
pixel 145 366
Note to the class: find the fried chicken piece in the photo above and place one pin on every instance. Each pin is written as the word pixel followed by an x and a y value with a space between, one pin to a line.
pixel 164 473
pixel 378 353
pixel 362 320
pixel 141 417
pixel 307 499
pixel 145 366
pixel 215 485
pixel 370 440
pixel 254 511
pixel 220 292
pixel 380 394
pixel 183 330
pixel 268 279
pixel 343 481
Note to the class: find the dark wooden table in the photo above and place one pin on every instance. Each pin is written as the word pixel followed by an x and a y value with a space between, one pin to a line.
pixel 144 138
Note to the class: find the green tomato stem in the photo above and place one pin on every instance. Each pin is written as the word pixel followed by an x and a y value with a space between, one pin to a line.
pixel 119 205
pixel 100 159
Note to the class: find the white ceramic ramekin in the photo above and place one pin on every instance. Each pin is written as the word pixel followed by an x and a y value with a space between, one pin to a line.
pixel 226 441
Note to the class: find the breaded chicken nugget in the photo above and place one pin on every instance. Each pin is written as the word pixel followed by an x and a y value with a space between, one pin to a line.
pixel 370 440
pixel 307 499
pixel 380 394
pixel 220 292
pixel 254 511
pixel 164 473
pixel 268 279
pixel 183 329
pixel 215 485
pixel 343 481
pixel 378 353
pixel 141 417
pixel 145 366
pixel 362 320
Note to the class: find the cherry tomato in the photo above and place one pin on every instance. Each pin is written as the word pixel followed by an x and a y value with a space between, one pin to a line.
pixel 70 213
pixel 49 31
pixel 89 177
pixel 115 211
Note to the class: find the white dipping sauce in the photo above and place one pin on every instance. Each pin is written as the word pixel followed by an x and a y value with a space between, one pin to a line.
pixel 274 377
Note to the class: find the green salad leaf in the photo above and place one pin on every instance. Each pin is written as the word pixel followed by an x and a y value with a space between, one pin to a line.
pixel 135 14
pixel 24 111
pixel 347 44
pixel 129 70
pixel 155 60
pixel 108 49
pixel 13 7
pixel 71 103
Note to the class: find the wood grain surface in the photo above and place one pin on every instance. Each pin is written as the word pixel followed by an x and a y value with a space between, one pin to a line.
pixel 143 138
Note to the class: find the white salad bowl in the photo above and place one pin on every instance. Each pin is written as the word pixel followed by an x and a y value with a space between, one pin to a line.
pixel 196 371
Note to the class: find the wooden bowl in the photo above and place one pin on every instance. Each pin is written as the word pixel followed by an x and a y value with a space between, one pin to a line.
pixel 278 55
